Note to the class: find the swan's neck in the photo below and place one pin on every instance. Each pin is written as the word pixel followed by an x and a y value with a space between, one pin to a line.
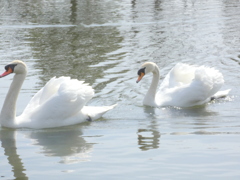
pixel 150 98
pixel 8 113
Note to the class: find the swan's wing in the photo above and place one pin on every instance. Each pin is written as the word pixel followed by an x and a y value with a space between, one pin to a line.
pixel 210 78
pixel 206 82
pixel 69 99
pixel 179 75
pixel 50 88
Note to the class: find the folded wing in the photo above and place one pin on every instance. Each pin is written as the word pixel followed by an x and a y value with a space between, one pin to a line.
pixel 59 99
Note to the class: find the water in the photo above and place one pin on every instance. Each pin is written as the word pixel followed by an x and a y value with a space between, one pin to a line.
pixel 104 43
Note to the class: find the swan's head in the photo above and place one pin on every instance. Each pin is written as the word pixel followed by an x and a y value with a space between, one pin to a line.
pixel 146 68
pixel 16 66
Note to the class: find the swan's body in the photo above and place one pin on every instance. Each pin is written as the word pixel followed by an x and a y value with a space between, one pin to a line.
pixel 184 85
pixel 61 102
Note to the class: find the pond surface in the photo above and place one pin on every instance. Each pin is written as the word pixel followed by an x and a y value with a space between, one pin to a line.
pixel 104 43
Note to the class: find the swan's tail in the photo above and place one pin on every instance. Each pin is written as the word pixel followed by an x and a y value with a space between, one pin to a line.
pixel 95 112
pixel 220 94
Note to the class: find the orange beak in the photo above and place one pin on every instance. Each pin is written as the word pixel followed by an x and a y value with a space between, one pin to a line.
pixel 140 77
pixel 9 71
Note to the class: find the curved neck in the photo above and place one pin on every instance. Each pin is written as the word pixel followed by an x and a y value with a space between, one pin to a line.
pixel 8 113
pixel 151 94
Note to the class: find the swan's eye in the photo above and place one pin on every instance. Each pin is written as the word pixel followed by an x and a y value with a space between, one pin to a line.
pixel 12 66
pixel 6 67
pixel 142 70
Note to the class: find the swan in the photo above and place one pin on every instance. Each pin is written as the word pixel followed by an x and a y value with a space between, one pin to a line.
pixel 184 86
pixel 61 102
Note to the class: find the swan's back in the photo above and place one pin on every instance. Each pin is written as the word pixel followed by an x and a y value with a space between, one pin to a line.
pixel 187 85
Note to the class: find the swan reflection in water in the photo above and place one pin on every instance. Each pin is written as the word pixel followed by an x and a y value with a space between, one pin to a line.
pixel 149 138
pixel 66 143
pixel 149 135
pixel 7 137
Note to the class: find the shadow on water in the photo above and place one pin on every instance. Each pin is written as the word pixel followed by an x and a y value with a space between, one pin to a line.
pixel 174 112
pixel 200 111
pixel 66 143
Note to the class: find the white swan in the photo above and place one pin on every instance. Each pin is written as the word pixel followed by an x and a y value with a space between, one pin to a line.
pixel 184 85
pixel 61 102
